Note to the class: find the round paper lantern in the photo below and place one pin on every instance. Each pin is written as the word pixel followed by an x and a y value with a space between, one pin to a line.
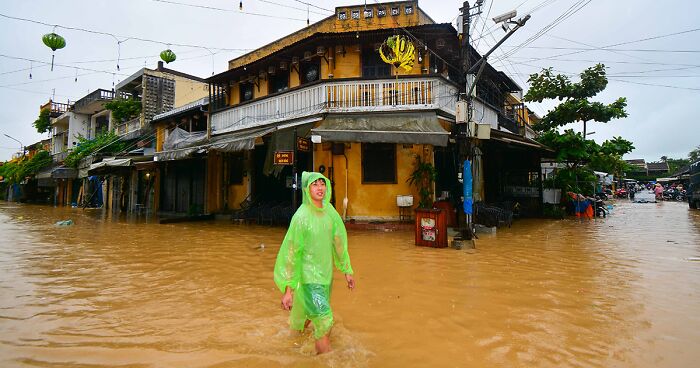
pixel 168 56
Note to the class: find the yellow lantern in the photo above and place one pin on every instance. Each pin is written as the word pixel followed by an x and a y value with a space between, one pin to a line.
pixel 399 52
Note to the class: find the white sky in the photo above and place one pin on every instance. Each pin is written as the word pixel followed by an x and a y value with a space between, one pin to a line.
pixel 661 119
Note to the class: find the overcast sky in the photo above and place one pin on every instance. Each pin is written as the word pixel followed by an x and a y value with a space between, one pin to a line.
pixel 660 77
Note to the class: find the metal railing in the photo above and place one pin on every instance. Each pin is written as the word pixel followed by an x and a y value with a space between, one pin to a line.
pixel 429 93
pixel 97 95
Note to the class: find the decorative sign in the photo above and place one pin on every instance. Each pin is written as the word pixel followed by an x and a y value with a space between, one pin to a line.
pixel 342 15
pixel 368 13
pixel 381 12
pixel 408 9
pixel 355 14
pixel 395 11
pixel 398 51
pixel 303 144
pixel 284 158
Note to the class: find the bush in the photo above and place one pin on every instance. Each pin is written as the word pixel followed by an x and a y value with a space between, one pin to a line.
pixel 15 172
pixel 43 123
pixel 107 142
pixel 124 109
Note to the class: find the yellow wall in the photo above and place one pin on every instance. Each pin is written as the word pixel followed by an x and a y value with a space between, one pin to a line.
pixel 370 201
pixel 237 193
pixel 186 90
pixel 160 136
pixel 333 25
pixel 348 65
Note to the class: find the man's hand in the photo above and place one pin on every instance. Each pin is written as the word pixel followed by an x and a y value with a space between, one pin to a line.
pixel 350 280
pixel 287 299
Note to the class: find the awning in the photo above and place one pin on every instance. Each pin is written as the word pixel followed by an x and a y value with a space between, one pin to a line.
pixel 107 164
pixel 517 140
pixel 408 128
pixel 61 172
pixel 231 142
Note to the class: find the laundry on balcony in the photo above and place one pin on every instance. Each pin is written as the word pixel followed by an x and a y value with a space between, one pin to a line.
pixel 408 128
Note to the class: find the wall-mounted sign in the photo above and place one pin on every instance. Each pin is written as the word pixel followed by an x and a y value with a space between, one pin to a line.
pixel 355 14
pixel 303 144
pixel 284 158
pixel 395 11
pixel 342 15
pixel 381 12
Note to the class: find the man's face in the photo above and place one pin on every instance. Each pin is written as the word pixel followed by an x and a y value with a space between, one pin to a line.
pixel 317 190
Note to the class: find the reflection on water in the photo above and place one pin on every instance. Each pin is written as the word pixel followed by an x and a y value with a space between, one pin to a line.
pixel 623 291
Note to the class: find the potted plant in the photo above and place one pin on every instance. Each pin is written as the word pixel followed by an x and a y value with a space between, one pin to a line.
pixel 423 177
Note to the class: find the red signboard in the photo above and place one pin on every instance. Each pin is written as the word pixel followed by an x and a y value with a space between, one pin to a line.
pixel 303 144
pixel 284 158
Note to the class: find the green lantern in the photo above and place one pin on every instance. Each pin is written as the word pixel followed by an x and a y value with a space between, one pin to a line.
pixel 54 42
pixel 168 56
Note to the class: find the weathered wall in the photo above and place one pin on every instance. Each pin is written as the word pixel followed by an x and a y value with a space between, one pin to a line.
pixel 370 201
pixel 334 25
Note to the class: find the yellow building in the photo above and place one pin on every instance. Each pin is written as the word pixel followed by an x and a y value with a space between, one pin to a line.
pixel 322 99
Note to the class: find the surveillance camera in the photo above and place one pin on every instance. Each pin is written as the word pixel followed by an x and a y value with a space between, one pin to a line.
pixel 504 17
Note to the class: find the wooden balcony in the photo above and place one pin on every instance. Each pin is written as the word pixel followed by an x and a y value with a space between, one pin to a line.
pixel 340 96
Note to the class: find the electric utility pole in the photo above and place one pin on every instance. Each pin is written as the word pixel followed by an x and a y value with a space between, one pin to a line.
pixel 464 133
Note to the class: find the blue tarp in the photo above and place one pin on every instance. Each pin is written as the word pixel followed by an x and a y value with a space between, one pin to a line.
pixel 467 184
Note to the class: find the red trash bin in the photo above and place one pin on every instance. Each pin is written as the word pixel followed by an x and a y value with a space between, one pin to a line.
pixel 431 228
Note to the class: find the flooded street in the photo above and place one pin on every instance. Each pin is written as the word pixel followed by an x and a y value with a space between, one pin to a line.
pixel 617 292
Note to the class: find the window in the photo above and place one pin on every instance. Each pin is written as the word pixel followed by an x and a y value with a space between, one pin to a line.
pixel 279 82
pixel 372 64
pixel 246 91
pixel 379 163
pixel 310 71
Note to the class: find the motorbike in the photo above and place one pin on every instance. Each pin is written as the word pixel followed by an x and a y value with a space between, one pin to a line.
pixel 621 193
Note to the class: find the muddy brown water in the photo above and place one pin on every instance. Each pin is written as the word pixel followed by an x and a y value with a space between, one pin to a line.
pixel 617 292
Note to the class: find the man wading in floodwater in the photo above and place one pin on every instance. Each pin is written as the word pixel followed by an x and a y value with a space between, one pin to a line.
pixel 316 240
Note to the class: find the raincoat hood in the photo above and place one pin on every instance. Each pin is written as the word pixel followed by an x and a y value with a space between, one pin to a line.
pixel 309 177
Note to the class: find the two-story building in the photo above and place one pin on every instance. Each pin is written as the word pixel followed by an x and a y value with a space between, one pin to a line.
pixel 323 99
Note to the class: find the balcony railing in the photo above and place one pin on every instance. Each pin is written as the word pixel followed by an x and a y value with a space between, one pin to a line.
pixel 129 126
pixel 97 95
pixel 431 93
pixel 60 156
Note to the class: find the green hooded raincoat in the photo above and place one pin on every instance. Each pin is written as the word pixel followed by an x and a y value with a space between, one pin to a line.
pixel 315 241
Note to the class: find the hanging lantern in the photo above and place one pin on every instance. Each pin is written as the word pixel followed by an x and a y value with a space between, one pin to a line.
pixel 168 56
pixel 399 52
pixel 54 42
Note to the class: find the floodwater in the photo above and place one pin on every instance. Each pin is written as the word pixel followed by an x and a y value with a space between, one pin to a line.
pixel 617 292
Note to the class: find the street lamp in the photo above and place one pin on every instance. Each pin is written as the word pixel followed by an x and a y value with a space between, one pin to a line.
pixel 21 146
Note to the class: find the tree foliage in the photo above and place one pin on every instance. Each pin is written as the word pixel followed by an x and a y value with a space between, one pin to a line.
pixel 124 109
pixel 43 122
pixel 575 105
pixel 107 143
pixel 694 155
pixel 16 171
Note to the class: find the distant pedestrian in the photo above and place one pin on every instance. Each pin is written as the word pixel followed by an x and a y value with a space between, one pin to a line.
pixel 315 241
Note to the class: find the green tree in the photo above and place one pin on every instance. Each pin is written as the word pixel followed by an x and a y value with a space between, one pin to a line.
pixel 107 143
pixel 694 155
pixel 43 123
pixel 124 109
pixel 16 171
pixel 575 105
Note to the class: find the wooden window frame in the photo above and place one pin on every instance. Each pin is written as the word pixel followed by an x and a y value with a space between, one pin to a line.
pixel 364 147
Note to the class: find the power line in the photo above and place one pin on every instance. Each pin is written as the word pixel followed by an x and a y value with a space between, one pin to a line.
pixel 314 6
pixel 226 10
pixel 292 7
pixel 608 49
pixel 117 37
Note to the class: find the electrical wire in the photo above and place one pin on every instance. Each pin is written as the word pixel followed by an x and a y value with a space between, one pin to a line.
pixel 292 7
pixel 226 10
pixel 116 36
